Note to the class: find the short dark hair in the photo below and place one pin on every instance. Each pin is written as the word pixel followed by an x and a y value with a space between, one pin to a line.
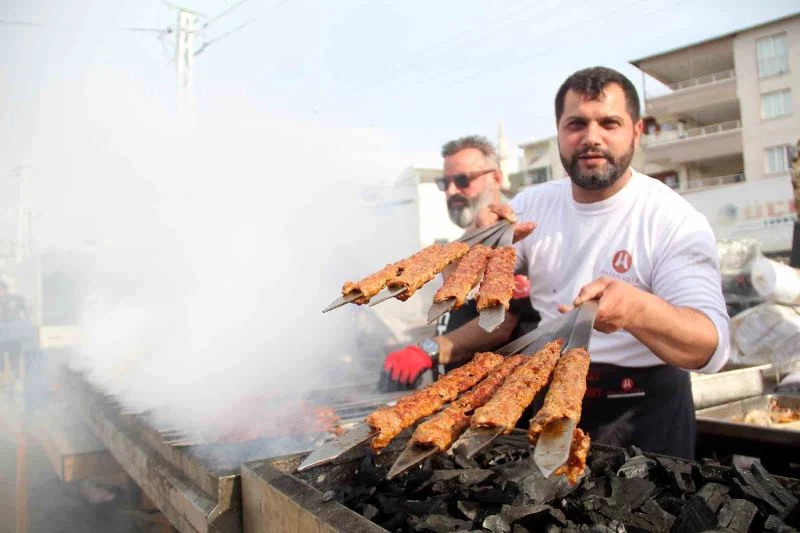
pixel 590 83
pixel 479 142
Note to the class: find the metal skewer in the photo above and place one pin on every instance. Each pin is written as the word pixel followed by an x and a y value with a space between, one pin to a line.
pixel 412 455
pixel 340 301
pixel 437 309
pixel 332 450
pixel 386 294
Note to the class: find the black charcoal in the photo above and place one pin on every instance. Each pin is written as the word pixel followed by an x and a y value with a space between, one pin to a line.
pixel 737 515
pixel 631 492
pixel 696 516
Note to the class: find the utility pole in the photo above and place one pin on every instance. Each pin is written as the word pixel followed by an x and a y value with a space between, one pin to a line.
pixel 185 53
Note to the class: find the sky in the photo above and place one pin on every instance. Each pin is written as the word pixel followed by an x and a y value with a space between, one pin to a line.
pixel 243 222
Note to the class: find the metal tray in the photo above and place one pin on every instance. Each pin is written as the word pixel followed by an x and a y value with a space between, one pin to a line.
pixel 717 420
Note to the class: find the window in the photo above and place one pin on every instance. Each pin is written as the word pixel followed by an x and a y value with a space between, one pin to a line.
pixel 779 158
pixel 536 175
pixel 773 57
pixel 776 104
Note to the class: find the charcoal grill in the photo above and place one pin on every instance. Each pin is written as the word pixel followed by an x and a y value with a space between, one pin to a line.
pixel 622 489
pixel 197 485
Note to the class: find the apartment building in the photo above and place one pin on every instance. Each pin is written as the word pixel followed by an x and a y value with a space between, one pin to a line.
pixel 722 120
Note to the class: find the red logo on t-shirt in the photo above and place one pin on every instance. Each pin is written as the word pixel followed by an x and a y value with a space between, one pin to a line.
pixel 622 261
pixel 627 384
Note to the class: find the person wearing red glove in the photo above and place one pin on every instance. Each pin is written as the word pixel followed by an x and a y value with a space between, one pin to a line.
pixel 472 181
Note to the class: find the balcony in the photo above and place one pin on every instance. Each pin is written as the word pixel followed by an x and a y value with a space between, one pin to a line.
pixel 684 146
pixel 714 181
pixel 696 93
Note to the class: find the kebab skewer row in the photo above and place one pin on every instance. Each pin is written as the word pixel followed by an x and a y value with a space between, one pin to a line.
pixel 497 286
pixel 518 391
pixel 391 421
pixel 423 267
pixel 372 284
pixel 466 276
pixel 442 429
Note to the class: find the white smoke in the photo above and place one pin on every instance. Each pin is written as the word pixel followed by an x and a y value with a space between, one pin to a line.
pixel 215 250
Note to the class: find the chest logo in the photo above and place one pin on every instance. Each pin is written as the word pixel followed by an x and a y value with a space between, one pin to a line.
pixel 622 261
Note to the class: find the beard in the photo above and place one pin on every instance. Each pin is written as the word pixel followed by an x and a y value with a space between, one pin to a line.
pixel 598 178
pixel 462 210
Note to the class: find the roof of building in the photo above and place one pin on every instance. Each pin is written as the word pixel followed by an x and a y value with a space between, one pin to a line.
pixel 636 62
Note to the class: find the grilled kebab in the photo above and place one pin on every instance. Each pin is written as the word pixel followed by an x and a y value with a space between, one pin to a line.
pixel 518 391
pixel 423 266
pixel 497 286
pixel 391 421
pixel 442 429
pixel 566 392
pixel 466 276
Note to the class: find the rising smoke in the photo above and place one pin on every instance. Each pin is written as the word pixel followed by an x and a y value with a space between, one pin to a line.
pixel 212 250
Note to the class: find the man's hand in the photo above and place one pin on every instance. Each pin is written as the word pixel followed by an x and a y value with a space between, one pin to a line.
pixel 619 303
pixel 402 369
pixel 494 212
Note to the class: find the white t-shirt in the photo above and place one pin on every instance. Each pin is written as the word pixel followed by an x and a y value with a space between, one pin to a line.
pixel 646 235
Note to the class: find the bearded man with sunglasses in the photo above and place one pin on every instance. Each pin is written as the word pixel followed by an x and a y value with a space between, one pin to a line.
pixel 471 181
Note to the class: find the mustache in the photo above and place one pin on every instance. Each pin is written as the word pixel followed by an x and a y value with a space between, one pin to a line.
pixel 463 200
pixel 593 150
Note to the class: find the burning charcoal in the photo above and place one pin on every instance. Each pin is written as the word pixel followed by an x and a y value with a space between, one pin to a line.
pixel 493 494
pixel 442 462
pixel 659 519
pixel 496 524
pixel 737 515
pixel 762 495
pixel 671 504
pixel 389 505
pixel 779 491
pixel 631 492
pixel 600 460
pixel 465 463
pixel 369 512
pixel 695 516
pixel 522 529
pixel 441 524
pixel 513 514
pixel 776 525
pixel 469 509
pixel 428 507
pixel 712 472
pixel 328 495
pixel 638 466
pixel 473 477
pixel 598 487
pixel 714 494
pixel 680 473
pixel 416 479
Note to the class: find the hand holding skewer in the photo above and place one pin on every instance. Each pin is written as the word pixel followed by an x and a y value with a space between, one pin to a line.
pixel 490 215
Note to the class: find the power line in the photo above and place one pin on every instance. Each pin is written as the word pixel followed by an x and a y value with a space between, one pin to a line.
pixel 206 44
pixel 222 14
pixel 41 25
pixel 474 34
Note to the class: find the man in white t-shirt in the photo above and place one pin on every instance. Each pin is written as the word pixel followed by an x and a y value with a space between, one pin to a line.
pixel 612 234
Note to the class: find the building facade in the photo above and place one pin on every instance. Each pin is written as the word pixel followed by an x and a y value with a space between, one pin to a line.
pixel 722 119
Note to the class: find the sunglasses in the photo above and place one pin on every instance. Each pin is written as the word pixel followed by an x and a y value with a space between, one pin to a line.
pixel 462 180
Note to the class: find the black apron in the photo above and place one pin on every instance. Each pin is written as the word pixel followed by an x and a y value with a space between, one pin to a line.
pixel 651 408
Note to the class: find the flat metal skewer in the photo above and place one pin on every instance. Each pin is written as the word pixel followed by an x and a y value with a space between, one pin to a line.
pixel 386 294
pixel 480 234
pixel 437 309
pixel 340 301
pixel 552 448
pixel 474 440
pixel 332 450
pixel 491 317
pixel 412 455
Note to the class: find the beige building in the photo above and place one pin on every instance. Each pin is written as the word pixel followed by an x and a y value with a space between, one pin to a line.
pixel 729 111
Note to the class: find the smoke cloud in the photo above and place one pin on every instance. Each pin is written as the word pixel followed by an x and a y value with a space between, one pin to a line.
pixel 211 249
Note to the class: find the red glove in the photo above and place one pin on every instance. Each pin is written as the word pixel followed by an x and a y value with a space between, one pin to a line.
pixel 403 368
pixel 522 286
